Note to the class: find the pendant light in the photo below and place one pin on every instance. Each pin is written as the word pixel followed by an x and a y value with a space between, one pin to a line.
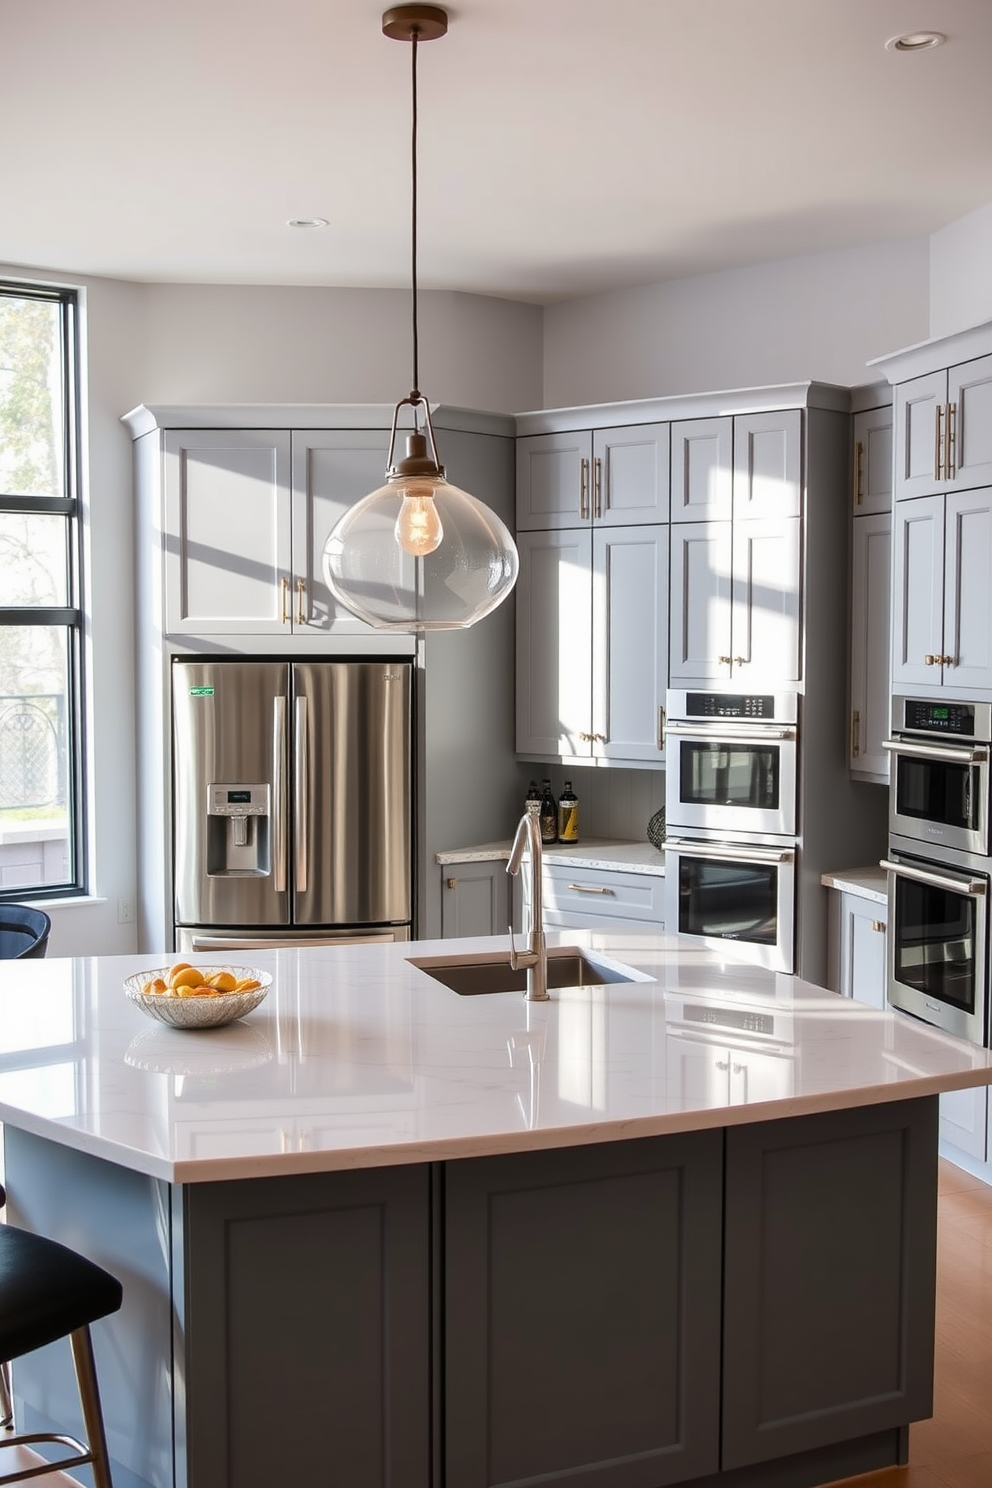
pixel 418 553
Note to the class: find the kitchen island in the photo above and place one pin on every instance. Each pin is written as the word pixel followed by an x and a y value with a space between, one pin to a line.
pixel 675 1227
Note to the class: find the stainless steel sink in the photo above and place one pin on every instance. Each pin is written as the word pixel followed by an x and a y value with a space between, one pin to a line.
pixel 568 966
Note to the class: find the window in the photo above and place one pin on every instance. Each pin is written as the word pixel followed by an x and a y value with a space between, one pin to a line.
pixel 41 816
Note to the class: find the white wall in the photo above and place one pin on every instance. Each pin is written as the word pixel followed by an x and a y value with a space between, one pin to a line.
pixel 961 273
pixel 821 317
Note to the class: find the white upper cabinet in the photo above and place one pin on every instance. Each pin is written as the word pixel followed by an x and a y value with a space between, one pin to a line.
pixel 228 535
pixel 944 430
pixel 735 587
pixel 603 477
pixel 942 595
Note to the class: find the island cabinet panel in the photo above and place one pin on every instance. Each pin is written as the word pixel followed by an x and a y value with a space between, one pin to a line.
pixel 582 1315
pixel 307 1312
pixel 816 1353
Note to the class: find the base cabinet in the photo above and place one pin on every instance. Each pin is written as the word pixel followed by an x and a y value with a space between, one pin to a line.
pixel 476 899
pixel 629 1314
pixel 857 947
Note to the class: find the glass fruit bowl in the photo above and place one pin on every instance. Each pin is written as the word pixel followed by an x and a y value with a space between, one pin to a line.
pixel 197 1010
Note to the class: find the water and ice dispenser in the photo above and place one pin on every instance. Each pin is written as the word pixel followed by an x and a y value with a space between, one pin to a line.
pixel 239 830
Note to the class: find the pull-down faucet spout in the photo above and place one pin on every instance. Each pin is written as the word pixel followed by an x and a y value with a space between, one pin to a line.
pixel 535 958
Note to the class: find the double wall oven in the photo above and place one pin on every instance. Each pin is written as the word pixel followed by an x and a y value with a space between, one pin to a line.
pixel 938 864
pixel 731 821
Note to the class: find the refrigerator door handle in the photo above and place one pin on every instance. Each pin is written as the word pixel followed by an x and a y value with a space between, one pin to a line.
pixel 301 794
pixel 279 844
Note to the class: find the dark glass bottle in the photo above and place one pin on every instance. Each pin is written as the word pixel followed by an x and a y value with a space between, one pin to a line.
pixel 568 815
pixel 549 814
pixel 532 801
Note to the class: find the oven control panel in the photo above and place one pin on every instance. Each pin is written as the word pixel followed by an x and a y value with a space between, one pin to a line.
pixel 730 705
pixel 923 716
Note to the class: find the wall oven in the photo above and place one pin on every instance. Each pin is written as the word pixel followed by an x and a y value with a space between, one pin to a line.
pixel 732 893
pixel 731 762
pixel 938 938
pixel 939 781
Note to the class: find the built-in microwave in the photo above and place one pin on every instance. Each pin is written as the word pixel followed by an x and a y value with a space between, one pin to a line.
pixel 732 763
pixel 939 781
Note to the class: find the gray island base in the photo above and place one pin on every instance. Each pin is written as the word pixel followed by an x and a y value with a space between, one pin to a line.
pixel 669 1229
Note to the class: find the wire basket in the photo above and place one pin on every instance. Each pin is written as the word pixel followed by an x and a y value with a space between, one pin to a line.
pixel 656 829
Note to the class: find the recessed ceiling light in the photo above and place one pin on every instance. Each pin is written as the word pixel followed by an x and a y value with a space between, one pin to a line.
pixel 915 41
pixel 307 222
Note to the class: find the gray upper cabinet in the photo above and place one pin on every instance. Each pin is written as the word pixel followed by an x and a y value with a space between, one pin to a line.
pixel 873 469
pixel 871 590
pixel 944 430
pixel 702 469
pixel 602 477
pixel 247 513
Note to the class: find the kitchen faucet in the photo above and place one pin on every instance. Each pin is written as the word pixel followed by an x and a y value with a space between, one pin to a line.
pixel 535 958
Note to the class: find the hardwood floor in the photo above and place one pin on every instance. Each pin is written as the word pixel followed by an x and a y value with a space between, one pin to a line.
pixel 954 1448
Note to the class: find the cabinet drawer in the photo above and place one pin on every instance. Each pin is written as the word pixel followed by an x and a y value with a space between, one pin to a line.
pixel 599 892
pixel 562 919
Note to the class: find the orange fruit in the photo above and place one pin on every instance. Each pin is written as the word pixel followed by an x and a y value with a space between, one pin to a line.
pixel 222 980
pixel 187 976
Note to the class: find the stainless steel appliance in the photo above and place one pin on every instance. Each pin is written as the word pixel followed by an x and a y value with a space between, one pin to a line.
pixel 939 781
pixel 938 940
pixel 732 762
pixel 292 787
pixel 731 891
pixel 731 813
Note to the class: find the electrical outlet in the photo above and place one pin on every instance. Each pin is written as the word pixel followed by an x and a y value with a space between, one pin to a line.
pixel 125 911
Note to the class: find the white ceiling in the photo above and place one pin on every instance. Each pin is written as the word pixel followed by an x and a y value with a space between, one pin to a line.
pixel 566 146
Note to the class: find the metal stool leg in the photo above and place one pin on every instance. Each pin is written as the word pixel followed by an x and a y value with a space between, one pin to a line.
pixel 6 1397
pixel 89 1397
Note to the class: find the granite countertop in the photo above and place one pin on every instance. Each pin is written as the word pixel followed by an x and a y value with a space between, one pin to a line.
pixel 358 1058
pixel 593 852
pixel 866 883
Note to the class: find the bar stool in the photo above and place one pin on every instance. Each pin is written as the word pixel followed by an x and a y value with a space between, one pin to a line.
pixel 47 1292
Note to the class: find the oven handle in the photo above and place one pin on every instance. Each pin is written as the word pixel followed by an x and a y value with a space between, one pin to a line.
pixel 730 852
pixel 717 733
pixel 962 754
pixel 974 888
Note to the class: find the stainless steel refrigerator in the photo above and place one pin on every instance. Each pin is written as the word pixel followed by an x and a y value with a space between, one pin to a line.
pixel 292 819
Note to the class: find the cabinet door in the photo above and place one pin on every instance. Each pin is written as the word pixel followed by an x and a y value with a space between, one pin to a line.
pixel 554 640
pixel 919 410
pixel 862 950
pixel 768 464
pixel 968 588
pixel 629 642
pixel 969 391
pixel 588 1275
pixel 870 647
pixel 964 1121
pixel 554 480
pixel 700 601
pixel 873 461
pixel 332 469
pixel 917 590
pixel 228 524
pixel 765 604
pixel 630 475
pixel 702 469
pixel 475 899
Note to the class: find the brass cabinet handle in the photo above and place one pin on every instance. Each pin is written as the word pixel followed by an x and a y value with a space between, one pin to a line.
pixel 301 601
pixel 284 589
pixel 878 925
pixel 950 441
pixel 946 660
pixel 938 444
pixel 583 489
pixel 855 734
pixel 931 660
pixel 586 738
pixel 859 455
pixel 590 889
pixel 724 660
pixel 661 729
pixel 597 487
pixel 740 661
pixel 451 883
pixel 598 738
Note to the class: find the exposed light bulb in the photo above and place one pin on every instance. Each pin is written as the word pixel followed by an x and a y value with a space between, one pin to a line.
pixel 418 527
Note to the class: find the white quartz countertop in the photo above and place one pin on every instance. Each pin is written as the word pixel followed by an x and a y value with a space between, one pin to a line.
pixel 594 852
pixel 865 883
pixel 357 1058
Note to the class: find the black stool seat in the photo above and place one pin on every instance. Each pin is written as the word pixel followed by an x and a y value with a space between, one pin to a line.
pixel 23 932
pixel 47 1291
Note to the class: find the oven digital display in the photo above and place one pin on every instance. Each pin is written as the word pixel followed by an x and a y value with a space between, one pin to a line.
pixel 729 705
pixel 940 718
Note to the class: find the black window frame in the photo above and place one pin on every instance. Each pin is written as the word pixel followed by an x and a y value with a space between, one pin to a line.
pixel 71 616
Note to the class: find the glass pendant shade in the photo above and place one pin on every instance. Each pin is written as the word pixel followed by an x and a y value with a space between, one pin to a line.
pixel 418 553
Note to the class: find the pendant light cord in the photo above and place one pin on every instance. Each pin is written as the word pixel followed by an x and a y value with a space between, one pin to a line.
pixel 413 226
